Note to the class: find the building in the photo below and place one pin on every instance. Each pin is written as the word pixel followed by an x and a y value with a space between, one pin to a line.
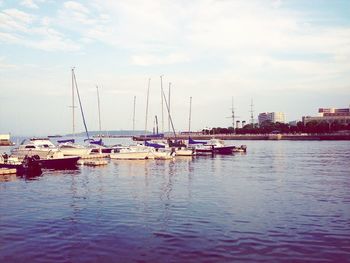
pixel 330 115
pixel 271 116
pixel 5 140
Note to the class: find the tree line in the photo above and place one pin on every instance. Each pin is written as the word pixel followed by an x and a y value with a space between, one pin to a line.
pixel 268 127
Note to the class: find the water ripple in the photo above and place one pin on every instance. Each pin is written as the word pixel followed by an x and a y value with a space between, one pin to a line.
pixel 280 202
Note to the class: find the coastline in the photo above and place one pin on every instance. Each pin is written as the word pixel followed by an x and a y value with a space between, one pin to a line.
pixel 271 137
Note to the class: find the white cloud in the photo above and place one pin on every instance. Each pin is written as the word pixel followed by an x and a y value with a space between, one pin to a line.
pixel 76 7
pixel 29 4
pixel 18 27
pixel 150 59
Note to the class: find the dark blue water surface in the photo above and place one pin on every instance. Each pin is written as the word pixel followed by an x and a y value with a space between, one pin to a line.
pixel 283 201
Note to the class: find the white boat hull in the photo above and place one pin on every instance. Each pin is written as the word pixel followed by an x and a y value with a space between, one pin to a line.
pixel 184 152
pixel 75 151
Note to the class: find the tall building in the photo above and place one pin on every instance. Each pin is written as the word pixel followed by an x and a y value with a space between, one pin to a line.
pixel 330 115
pixel 271 116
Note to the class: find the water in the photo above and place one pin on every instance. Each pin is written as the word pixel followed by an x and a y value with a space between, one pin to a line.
pixel 283 201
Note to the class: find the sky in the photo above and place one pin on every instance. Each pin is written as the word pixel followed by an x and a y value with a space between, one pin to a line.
pixel 290 56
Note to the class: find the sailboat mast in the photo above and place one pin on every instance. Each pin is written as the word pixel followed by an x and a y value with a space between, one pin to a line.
pixel 99 111
pixel 189 117
pixel 161 94
pixel 133 116
pixel 81 108
pixel 156 119
pixel 149 83
pixel 171 120
pixel 169 107
pixel 73 118
pixel 233 115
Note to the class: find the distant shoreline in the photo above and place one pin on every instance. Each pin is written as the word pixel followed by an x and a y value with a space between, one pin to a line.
pixel 292 137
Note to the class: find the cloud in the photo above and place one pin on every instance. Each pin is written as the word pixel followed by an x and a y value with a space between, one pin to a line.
pixel 29 4
pixel 150 59
pixel 15 20
pixel 21 28
pixel 76 7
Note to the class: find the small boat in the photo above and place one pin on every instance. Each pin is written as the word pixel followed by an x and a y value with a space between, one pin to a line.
pixel 219 147
pixel 215 146
pixel 26 166
pixel 45 153
pixel 70 148
pixel 184 152
pixel 58 162
pixel 135 152
pixel 35 146
pixel 178 147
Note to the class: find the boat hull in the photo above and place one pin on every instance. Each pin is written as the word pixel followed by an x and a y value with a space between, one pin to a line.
pixel 224 150
pixel 29 168
pixel 184 152
pixel 67 162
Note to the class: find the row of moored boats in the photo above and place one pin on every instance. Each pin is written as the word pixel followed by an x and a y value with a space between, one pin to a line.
pixel 37 153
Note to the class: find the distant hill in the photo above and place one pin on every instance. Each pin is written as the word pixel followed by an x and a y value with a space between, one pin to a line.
pixel 106 133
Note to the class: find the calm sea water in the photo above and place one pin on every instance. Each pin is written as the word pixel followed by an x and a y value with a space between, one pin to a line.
pixel 281 202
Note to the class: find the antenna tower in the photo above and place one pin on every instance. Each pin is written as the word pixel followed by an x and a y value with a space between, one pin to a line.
pixel 251 112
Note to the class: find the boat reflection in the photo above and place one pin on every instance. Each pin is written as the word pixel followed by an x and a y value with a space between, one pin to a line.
pixel 8 178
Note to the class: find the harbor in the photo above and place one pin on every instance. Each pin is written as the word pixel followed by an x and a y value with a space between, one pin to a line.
pixel 256 206
pixel 174 131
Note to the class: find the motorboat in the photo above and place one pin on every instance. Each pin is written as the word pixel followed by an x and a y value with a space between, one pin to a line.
pixel 177 147
pixel 219 147
pixel 41 147
pixel 26 166
pixel 134 152
pixel 58 161
pixel 215 146
pixel 44 152
pixel 69 148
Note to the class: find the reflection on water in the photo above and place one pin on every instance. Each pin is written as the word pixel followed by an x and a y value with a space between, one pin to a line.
pixel 8 177
pixel 282 201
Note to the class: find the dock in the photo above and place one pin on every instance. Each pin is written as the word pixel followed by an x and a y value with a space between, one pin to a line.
pixel 92 162
pixel 95 156
pixel 4 171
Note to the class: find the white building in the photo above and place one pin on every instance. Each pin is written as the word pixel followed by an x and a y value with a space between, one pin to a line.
pixel 272 116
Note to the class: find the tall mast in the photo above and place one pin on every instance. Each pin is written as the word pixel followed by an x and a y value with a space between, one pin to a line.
pixel 171 121
pixel 156 119
pixel 99 111
pixel 81 107
pixel 169 107
pixel 133 116
pixel 161 94
pixel 233 115
pixel 149 83
pixel 189 117
pixel 73 119
pixel 251 112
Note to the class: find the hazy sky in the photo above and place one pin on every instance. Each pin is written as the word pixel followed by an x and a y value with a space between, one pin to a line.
pixel 290 56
